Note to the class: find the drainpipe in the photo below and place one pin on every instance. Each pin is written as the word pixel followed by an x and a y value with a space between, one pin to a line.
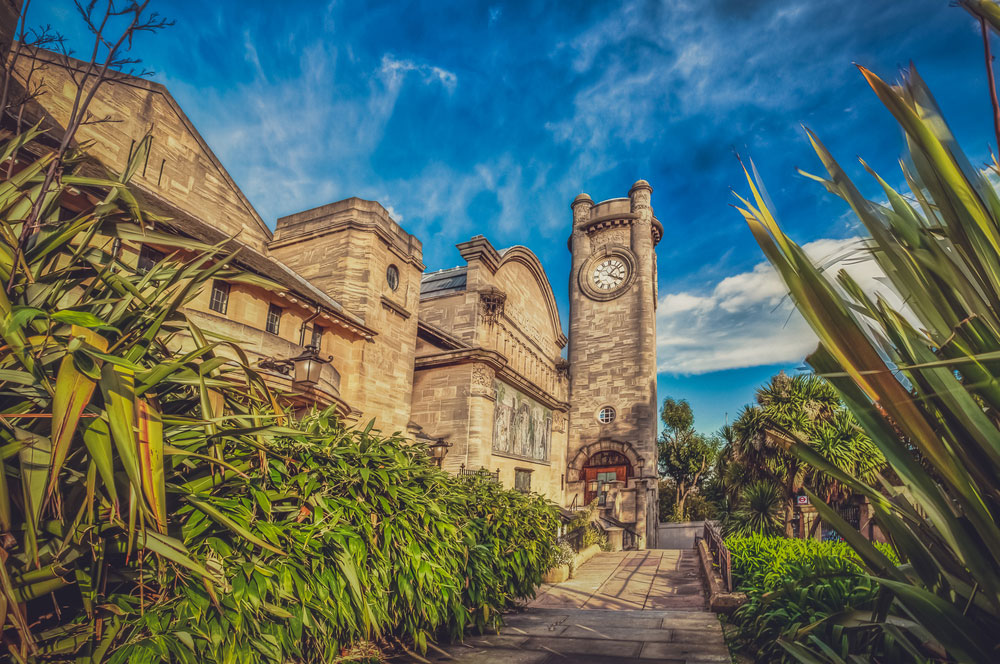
pixel 302 328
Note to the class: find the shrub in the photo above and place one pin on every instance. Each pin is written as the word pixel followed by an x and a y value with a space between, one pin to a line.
pixel 593 536
pixel 794 588
pixel 564 555
pixel 157 505
pixel 376 543
pixel 917 370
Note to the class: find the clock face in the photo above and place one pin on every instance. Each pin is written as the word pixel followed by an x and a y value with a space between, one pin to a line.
pixel 610 274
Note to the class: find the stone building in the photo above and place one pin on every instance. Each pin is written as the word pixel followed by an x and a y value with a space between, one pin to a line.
pixel 489 375
pixel 472 354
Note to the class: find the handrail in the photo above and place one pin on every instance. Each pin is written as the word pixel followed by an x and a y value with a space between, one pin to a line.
pixel 629 538
pixel 573 537
pixel 720 554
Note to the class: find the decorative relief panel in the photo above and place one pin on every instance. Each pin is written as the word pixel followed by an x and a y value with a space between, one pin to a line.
pixel 559 421
pixel 521 426
pixel 482 379
pixel 603 238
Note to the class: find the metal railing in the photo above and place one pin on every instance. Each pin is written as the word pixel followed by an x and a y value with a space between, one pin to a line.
pixel 629 536
pixel 574 538
pixel 720 554
pixel 851 514
pixel 493 475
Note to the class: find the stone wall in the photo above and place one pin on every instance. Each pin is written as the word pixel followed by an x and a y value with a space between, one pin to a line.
pixel 345 249
pixel 517 350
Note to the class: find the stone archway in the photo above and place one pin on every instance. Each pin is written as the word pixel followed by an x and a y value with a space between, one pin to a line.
pixel 575 466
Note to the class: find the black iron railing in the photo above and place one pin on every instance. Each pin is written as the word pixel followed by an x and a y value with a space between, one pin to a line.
pixel 851 514
pixel 720 554
pixel 573 537
pixel 629 536
pixel 493 475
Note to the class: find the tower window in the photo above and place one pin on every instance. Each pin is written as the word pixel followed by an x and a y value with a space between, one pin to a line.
pixel 148 258
pixel 273 318
pixel 606 415
pixel 219 301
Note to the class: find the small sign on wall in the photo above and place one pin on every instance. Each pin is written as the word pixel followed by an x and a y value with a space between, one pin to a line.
pixel 803 500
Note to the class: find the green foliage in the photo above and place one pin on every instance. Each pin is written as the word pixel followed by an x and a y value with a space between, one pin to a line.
pixel 684 456
pixel 700 505
pixel 760 510
pixel 922 380
pixel 378 543
pixel 564 554
pixel 797 589
pixel 676 415
pixel 592 535
pixel 169 510
pixel 807 407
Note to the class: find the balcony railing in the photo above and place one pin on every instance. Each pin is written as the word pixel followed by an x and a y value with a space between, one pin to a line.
pixel 493 476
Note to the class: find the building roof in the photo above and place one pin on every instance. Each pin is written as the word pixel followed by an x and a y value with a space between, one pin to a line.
pixel 452 280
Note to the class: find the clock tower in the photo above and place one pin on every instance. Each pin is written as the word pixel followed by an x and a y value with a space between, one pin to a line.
pixel 612 360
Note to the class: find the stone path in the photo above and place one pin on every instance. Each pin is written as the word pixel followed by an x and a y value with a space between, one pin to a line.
pixel 633 606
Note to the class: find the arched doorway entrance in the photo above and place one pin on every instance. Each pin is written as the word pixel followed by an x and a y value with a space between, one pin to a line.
pixel 601 468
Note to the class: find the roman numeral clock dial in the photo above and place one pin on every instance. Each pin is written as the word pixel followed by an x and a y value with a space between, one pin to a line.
pixel 610 274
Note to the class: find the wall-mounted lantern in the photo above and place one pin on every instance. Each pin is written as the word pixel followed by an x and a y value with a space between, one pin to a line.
pixel 304 369
pixel 438 451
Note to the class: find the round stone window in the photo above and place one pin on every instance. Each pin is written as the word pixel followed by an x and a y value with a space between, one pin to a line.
pixel 392 277
pixel 606 415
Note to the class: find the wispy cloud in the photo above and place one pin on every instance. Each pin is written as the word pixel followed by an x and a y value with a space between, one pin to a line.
pixel 747 319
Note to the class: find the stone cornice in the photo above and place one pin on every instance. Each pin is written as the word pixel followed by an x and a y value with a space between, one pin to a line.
pixel 395 307
pixel 479 248
pixel 498 363
pixel 438 336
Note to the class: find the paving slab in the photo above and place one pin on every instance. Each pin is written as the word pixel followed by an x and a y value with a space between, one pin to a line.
pixel 632 606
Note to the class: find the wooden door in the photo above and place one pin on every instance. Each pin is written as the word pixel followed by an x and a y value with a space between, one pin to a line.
pixel 596 477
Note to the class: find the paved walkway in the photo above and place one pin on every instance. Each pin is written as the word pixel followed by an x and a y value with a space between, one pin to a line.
pixel 620 607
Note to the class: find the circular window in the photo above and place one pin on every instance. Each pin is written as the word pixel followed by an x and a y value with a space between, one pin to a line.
pixel 606 415
pixel 392 276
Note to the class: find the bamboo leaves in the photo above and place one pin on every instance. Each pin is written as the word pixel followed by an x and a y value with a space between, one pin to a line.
pixel 72 394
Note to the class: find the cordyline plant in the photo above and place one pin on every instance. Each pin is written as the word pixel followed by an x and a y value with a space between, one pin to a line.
pixel 156 502
pixel 101 419
pixel 923 381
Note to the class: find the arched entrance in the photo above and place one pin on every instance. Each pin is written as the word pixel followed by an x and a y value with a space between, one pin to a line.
pixel 601 468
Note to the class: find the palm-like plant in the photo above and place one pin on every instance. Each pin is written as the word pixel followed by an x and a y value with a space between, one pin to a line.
pixel 808 407
pixel 923 381
pixel 760 511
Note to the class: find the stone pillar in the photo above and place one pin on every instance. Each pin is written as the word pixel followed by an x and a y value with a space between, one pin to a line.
pixel 579 251
pixel 641 513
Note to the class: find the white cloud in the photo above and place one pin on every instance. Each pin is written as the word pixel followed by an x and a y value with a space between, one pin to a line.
pixel 747 319
pixel 394 70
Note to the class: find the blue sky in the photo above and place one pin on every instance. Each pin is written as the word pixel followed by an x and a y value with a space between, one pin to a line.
pixel 472 117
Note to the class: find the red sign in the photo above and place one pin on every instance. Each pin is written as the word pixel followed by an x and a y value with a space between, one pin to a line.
pixel 803 500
